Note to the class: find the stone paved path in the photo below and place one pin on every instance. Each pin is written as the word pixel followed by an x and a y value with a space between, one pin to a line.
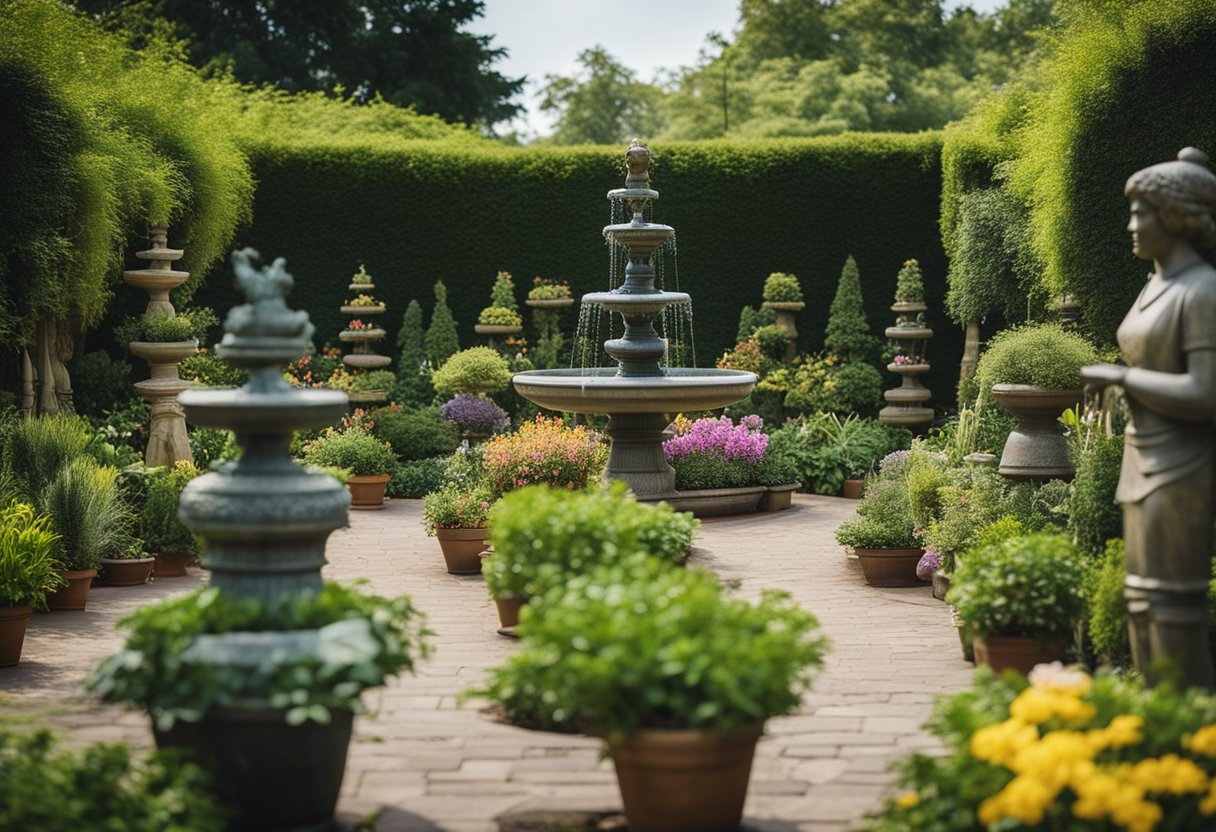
pixel 428 764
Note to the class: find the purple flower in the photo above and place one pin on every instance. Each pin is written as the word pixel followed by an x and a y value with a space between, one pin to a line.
pixel 929 563
pixel 720 438
pixel 473 414
pixel 894 462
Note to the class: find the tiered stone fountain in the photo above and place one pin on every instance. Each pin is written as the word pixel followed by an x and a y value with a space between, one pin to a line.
pixel 905 407
pixel 640 393
pixel 363 357
pixel 167 441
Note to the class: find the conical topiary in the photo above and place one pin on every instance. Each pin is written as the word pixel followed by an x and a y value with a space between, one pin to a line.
pixel 848 332
pixel 413 384
pixel 910 284
pixel 441 338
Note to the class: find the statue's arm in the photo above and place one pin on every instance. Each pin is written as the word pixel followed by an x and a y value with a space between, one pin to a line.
pixel 1190 396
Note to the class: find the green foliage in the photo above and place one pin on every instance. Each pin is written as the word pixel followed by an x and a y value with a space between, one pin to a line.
pixel 858 388
pixel 475 370
pixel 211 445
pixel 169 667
pixel 161 793
pixel 441 338
pixel 28 570
pixel 602 104
pixel 1093 515
pixel 662 649
pixel 927 476
pixel 416 434
pixel 159 526
pixel 355 449
pixel 883 520
pixel 780 287
pixel 974 500
pixel 186 325
pixel 751 319
pixel 99 383
pixel 415 479
pixel 543 536
pixel 373 380
pixel 545 289
pixel 776 469
pixel 700 470
pixel 909 283
pixel 848 332
pixel 210 370
pixel 1043 355
pixel 502 292
pixel 36 449
pixel 773 341
pixel 91 520
pixel 1107 606
pixel 1126 87
pixel 413 387
pixel 457 506
pixel 827 450
pixel 499 316
pixel 1024 586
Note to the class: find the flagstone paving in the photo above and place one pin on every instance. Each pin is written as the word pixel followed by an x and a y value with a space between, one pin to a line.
pixel 428 763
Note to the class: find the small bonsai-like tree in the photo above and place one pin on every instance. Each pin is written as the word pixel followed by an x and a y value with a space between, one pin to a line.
pixel 780 287
pixel 848 332
pixel 910 283
pixel 502 293
pixel 441 339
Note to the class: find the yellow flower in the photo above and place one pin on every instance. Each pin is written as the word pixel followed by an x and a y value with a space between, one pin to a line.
pixel 1056 760
pixel 1024 799
pixel 907 800
pixel 1170 774
pixel 1037 705
pixel 1137 815
pixel 1098 794
pixel 1202 741
pixel 1123 730
pixel 999 743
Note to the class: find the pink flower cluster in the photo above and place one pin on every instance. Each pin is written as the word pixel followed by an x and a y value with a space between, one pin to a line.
pixel 720 438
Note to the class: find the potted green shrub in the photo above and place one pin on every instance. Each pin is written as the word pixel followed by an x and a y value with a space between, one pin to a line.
pixel 501 317
pixel 543 535
pixel 676 677
pixel 172 545
pixel 27 573
pixel 782 291
pixel 779 474
pixel 457 515
pixel 369 460
pixel 549 294
pixel 128 566
pixel 1034 372
pixel 475 371
pixel 1021 599
pixel 882 534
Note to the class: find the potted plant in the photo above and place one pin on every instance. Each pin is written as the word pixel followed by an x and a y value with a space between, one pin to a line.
pixel 476 417
pixel 1021 599
pixel 501 317
pixel 882 535
pixel 681 740
pixel 544 450
pixel 549 294
pixel 717 464
pixel 477 370
pixel 27 573
pixel 543 535
pixel 91 521
pixel 369 460
pixel 779 474
pixel 1034 372
pixel 457 516
pixel 783 295
pixel 128 566
pixel 172 545
pixel 201 667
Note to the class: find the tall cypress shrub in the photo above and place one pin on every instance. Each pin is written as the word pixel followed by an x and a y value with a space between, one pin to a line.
pixel 848 332
pixel 413 385
pixel 441 338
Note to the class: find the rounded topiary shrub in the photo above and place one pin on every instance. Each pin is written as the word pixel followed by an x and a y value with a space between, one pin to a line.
pixel 780 287
pixel 475 370
pixel 1042 355
pixel 355 450
pixel 415 434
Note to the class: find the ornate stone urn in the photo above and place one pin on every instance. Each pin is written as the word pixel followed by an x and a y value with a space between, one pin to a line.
pixel 1036 450
pixel 167 441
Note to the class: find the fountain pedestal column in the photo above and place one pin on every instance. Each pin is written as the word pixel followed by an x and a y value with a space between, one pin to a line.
pixel 637 457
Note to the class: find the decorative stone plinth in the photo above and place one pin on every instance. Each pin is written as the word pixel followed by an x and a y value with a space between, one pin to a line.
pixel 786 312
pixel 1036 449
pixel 905 404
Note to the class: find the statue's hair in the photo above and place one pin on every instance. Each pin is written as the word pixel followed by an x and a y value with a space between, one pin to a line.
pixel 1183 192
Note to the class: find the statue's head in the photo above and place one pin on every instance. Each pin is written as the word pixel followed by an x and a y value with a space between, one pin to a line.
pixel 1183 194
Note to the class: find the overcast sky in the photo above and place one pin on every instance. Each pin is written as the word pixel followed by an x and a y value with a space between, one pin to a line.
pixel 545 36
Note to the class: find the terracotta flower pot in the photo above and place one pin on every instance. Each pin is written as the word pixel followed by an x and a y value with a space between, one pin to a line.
pixel 75 595
pixel 508 610
pixel 170 564
pixel 12 633
pixel 890 567
pixel 851 490
pixel 1015 653
pixel 778 497
pixel 119 572
pixel 461 549
pixel 684 781
pixel 367 491
pixel 274 775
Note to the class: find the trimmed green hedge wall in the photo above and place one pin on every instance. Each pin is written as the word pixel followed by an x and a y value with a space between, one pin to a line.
pixel 740 210
pixel 1131 84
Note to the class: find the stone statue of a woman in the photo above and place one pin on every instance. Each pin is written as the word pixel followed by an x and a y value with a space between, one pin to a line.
pixel 1168 340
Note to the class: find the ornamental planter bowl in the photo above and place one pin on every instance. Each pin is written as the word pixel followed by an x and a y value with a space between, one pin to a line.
pixel 851 490
pixel 890 567
pixel 1036 450
pixel 496 329
pixel 12 633
pixel 684 781
pixel 1018 653
pixel 778 497
pixel 462 549
pixel 171 564
pixel 714 502
pixel 367 491
pixel 549 303
pixel 120 572
pixel 75 595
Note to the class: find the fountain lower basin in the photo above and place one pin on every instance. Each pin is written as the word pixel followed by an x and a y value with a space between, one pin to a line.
pixel 604 390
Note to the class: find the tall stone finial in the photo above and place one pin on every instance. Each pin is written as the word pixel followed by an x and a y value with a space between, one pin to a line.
pixel 637 162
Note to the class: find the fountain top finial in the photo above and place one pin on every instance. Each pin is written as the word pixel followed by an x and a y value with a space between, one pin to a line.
pixel 637 162
pixel 264 332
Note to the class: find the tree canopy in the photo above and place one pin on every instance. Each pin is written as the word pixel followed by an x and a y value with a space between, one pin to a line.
pixel 412 53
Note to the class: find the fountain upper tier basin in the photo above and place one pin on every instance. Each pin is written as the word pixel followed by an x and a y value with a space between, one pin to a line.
pixel 602 390
pixel 648 303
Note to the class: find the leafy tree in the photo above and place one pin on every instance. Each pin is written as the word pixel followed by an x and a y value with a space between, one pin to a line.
pixel 411 52
pixel 848 332
pixel 441 338
pixel 603 104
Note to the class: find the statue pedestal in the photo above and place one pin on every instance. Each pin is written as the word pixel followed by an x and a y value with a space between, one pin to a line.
pixel 167 441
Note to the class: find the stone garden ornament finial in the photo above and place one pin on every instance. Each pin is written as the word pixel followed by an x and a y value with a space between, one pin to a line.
pixel 637 162
pixel 1168 341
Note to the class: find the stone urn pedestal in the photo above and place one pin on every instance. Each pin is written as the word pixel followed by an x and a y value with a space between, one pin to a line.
pixel 167 441
pixel 786 312
pixel 1036 450
pixel 363 357
pixel 905 404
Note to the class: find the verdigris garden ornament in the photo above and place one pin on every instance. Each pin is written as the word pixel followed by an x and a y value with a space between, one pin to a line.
pixel 1168 341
